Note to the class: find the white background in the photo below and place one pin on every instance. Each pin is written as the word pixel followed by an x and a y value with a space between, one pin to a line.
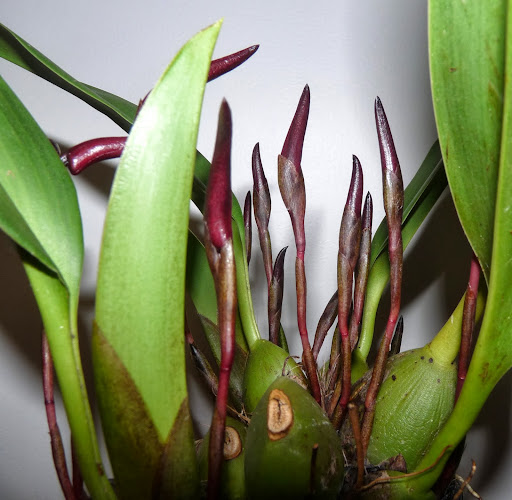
pixel 348 52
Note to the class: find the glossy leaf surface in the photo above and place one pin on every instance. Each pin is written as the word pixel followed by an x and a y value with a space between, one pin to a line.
pixel 140 300
pixel 18 51
pixel 467 57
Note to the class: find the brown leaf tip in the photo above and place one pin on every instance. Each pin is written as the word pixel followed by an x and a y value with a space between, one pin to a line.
pixel 294 142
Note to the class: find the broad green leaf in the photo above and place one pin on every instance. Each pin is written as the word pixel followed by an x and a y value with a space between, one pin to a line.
pixel 129 430
pixel 424 177
pixel 18 51
pixel 467 56
pixel 39 211
pixel 38 203
pixel 140 300
pixel 492 356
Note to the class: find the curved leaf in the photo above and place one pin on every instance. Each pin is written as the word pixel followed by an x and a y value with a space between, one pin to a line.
pixel 140 302
pixel 467 57
pixel 18 51
pixel 492 356
pixel 38 203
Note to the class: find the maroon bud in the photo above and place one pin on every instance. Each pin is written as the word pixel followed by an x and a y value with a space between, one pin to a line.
pixel 292 148
pixel 218 193
pixel 219 67
pixel 86 153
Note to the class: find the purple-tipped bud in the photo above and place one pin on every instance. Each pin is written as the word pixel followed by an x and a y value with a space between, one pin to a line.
pixel 223 65
pixel 355 191
pixel 292 148
pixel 261 192
pixel 391 173
pixel 350 230
pixel 218 193
pixel 86 153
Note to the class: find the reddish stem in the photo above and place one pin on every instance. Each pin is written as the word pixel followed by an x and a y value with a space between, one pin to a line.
pixel 219 249
pixel 393 204
pixel 363 268
pixel 262 208
pixel 468 324
pixel 59 458
pixel 349 243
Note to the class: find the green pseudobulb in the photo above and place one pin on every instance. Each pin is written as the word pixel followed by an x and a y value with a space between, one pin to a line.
pixel 232 479
pixel 265 363
pixel 292 450
pixel 413 403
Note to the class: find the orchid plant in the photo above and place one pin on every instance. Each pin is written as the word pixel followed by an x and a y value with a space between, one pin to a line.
pixel 283 426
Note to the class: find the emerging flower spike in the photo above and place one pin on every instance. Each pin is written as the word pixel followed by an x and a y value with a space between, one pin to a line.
pixel 220 253
pixel 292 147
pixel 93 151
pixel 217 216
pixel 86 153
pixel 291 185
pixel 225 64
pixel 348 254
pixel 262 208
pixel 393 205
pixel 468 323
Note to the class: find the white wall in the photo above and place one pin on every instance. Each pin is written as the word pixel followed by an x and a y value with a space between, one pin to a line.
pixel 348 52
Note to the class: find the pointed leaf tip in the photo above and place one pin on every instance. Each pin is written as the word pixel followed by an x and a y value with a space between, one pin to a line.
pixel 292 148
pixel 386 145
pixel 218 193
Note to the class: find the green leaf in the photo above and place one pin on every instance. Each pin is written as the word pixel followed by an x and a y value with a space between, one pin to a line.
pixel 140 300
pixel 38 203
pixel 467 57
pixel 492 356
pixel 39 211
pixel 18 51
pixel 59 319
